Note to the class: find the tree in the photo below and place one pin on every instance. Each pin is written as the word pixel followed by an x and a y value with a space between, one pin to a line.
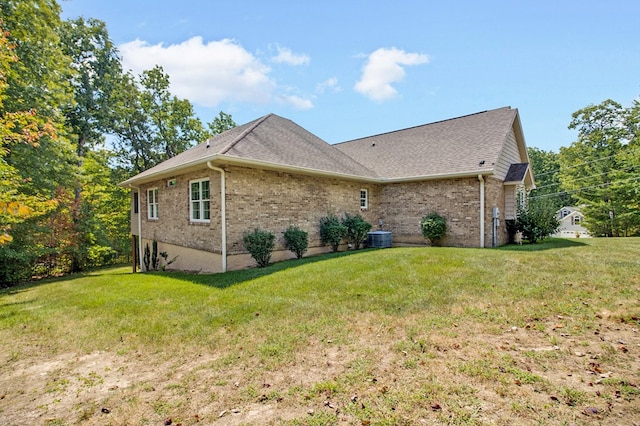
pixel 16 127
pixel 97 68
pixel 151 124
pixel 600 170
pixel 546 172
pixel 221 123
pixel 537 220
pixel 33 85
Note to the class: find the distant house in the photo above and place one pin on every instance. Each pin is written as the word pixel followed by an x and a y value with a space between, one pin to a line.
pixel 571 223
pixel 272 174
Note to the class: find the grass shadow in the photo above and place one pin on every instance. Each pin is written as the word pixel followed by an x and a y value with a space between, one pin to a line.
pixel 546 244
pixel 230 278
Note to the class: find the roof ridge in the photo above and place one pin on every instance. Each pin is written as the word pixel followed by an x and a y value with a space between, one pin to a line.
pixel 425 124
pixel 245 133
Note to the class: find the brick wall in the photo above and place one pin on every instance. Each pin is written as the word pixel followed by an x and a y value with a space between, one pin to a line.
pixel 274 201
pixel 495 197
pixel 403 205
pixel 173 225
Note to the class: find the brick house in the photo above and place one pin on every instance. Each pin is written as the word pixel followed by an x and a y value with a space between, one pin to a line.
pixel 271 173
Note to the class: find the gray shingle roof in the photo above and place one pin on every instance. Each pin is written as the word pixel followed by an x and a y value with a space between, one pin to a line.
pixel 517 172
pixel 448 147
pixel 270 139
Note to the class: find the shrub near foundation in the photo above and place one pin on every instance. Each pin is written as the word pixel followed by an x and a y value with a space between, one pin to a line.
pixel 357 229
pixel 260 245
pixel 296 240
pixel 332 231
pixel 433 227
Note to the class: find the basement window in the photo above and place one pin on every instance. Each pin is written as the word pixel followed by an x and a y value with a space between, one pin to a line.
pixel 152 203
pixel 199 201
pixel 364 199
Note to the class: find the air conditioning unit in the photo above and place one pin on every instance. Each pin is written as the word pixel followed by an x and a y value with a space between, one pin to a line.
pixel 379 239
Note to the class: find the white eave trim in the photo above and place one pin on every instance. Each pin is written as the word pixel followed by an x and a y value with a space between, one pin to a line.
pixel 221 160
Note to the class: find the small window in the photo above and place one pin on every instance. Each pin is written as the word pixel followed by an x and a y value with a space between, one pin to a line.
pixel 199 201
pixel 152 203
pixel 576 220
pixel 135 203
pixel 364 199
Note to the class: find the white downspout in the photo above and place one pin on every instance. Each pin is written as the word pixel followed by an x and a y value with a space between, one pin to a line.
pixel 481 179
pixel 137 188
pixel 223 213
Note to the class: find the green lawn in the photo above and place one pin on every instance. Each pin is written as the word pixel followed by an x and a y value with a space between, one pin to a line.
pixel 542 334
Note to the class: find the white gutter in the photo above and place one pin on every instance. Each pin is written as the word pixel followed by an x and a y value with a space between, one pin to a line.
pixel 223 213
pixel 238 161
pixel 137 188
pixel 481 179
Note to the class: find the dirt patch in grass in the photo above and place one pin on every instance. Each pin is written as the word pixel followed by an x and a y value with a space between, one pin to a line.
pixel 392 371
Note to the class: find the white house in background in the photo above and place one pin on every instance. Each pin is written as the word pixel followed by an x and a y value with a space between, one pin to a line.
pixel 571 220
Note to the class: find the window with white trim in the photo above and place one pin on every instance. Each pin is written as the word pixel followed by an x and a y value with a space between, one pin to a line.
pixel 199 201
pixel 152 203
pixel 364 199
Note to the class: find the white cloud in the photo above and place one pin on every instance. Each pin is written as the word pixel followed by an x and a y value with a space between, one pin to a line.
pixel 205 73
pixel 329 84
pixel 286 56
pixel 385 66
pixel 297 102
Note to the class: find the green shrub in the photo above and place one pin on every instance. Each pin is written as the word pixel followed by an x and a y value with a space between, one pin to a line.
pixel 260 245
pixel 357 229
pixel 155 260
pixel 332 231
pixel 146 258
pixel 100 255
pixel 296 240
pixel 536 221
pixel 433 227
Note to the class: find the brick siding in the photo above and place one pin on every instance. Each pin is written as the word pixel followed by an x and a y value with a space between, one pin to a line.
pixel 273 201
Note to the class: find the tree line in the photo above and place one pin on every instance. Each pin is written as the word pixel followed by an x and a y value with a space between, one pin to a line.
pixel 600 171
pixel 63 91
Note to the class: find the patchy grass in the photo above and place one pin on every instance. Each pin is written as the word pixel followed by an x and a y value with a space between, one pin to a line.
pixel 542 334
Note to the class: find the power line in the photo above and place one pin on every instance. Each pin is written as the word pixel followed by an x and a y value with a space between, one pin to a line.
pixel 586 162
pixel 630 179
pixel 583 177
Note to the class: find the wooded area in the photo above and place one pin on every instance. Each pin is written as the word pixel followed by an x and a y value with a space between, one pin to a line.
pixel 62 93
pixel 600 171
pixel 74 123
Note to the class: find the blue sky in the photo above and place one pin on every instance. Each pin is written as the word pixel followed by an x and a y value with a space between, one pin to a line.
pixel 348 69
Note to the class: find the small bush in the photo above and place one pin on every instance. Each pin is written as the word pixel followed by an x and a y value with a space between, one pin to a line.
pixel 260 245
pixel 146 258
pixel 536 222
pixel 296 240
pixel 332 231
pixel 433 227
pixel 357 229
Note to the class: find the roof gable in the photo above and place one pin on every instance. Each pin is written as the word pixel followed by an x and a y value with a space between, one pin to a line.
pixel 468 144
pixel 270 140
pixel 276 140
